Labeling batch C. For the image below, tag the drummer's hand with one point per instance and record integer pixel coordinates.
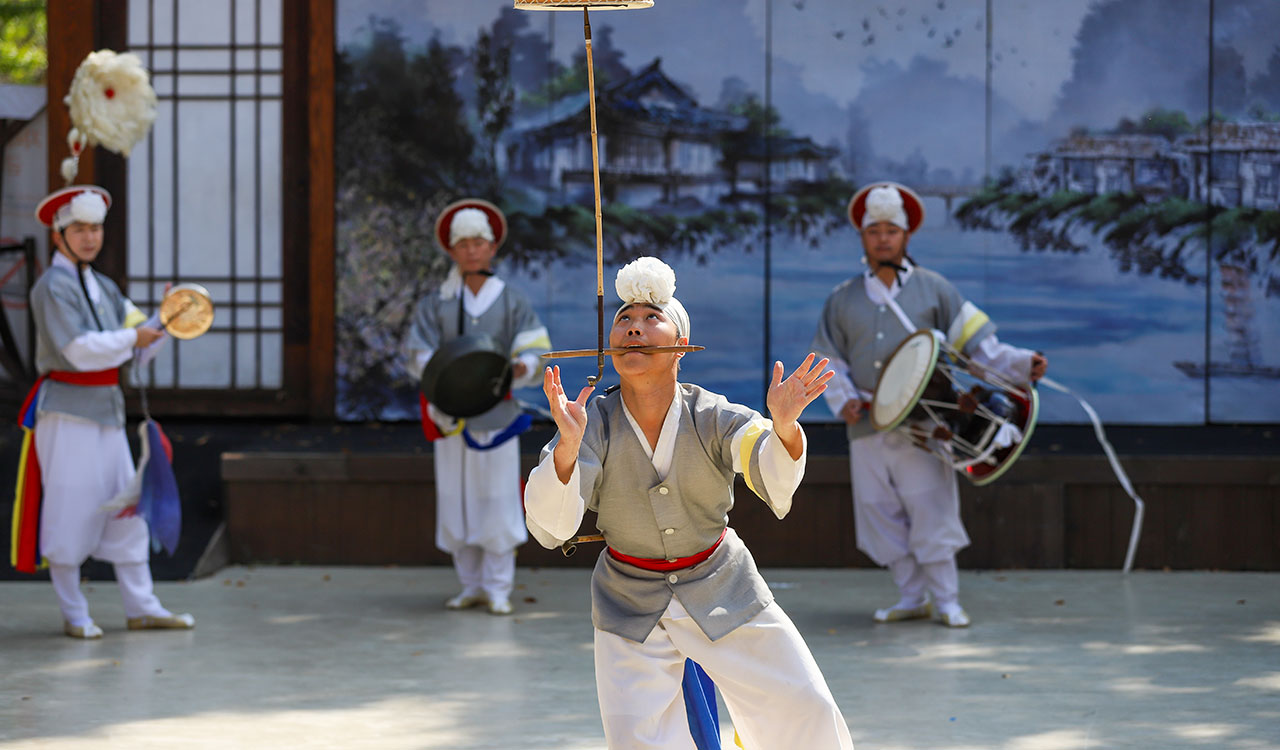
(518, 369)
(788, 398)
(571, 420)
(147, 336)
(851, 412)
(1039, 366)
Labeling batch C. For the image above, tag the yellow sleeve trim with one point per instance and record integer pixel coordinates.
(748, 447)
(134, 318)
(542, 342)
(971, 326)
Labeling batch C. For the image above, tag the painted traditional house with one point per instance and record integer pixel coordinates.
(790, 161)
(657, 146)
(1235, 164)
(1126, 163)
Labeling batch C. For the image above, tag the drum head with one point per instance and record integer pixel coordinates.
(1028, 411)
(467, 376)
(904, 379)
(186, 311)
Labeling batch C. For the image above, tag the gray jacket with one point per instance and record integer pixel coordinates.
(61, 313)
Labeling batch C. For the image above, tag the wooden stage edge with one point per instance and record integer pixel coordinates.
(1202, 513)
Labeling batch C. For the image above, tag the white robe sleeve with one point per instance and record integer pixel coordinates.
(762, 459)
(100, 350)
(840, 388)
(553, 511)
(1011, 361)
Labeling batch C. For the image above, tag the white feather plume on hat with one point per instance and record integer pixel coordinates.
(111, 104)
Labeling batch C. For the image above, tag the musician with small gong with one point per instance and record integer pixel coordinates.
(906, 501)
(471, 340)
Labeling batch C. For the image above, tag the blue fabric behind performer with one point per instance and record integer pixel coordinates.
(700, 705)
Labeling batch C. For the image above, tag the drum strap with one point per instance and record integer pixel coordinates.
(902, 314)
(886, 299)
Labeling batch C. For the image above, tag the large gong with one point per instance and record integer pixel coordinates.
(467, 376)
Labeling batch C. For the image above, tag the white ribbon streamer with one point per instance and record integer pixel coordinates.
(1139, 506)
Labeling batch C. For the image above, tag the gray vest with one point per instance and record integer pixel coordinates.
(680, 516)
(864, 334)
(61, 313)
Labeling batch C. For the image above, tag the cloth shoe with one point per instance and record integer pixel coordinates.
(183, 621)
(901, 611)
(466, 600)
(88, 632)
(500, 606)
(954, 618)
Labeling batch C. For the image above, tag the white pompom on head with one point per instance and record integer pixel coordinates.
(469, 222)
(646, 279)
(87, 208)
(649, 281)
(884, 203)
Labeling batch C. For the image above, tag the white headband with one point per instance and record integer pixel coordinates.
(469, 222)
(649, 281)
(87, 207)
(884, 203)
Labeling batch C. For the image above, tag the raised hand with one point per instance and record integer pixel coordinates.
(788, 398)
(570, 417)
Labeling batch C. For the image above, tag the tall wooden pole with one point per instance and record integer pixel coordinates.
(595, 173)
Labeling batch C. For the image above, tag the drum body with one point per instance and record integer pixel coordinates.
(467, 376)
(971, 418)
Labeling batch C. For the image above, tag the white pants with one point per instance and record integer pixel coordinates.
(135, 589)
(478, 569)
(772, 686)
(82, 466)
(478, 500)
(907, 509)
(905, 501)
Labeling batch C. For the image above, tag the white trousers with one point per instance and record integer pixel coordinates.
(135, 589)
(775, 693)
(82, 466)
(906, 505)
(478, 569)
(478, 500)
(905, 501)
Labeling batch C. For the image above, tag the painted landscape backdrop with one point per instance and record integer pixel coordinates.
(1110, 203)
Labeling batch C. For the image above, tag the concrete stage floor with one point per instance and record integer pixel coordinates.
(367, 658)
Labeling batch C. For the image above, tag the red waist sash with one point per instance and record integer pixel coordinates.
(664, 565)
(70, 377)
